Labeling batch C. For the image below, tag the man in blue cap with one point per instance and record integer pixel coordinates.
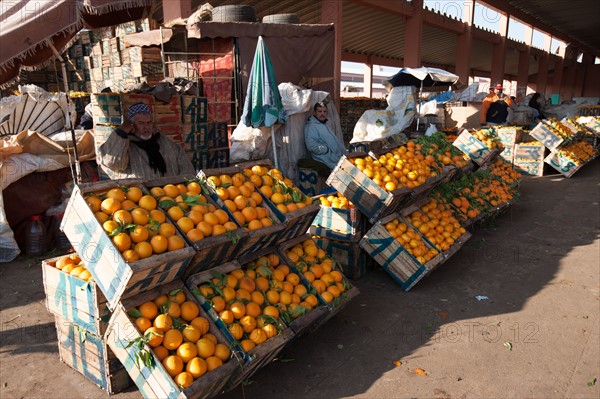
(136, 150)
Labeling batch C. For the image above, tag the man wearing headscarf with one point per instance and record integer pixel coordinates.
(136, 150)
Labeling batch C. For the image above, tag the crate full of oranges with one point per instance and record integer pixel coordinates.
(169, 346)
(213, 232)
(338, 219)
(118, 230)
(249, 207)
(297, 209)
(246, 308)
(401, 250)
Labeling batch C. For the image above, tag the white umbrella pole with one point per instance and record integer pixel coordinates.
(77, 176)
(274, 148)
(419, 108)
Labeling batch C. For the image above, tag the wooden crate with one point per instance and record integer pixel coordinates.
(339, 303)
(364, 193)
(88, 354)
(353, 260)
(195, 109)
(210, 251)
(115, 277)
(529, 159)
(106, 108)
(347, 225)
(404, 268)
(562, 164)
(309, 181)
(213, 158)
(508, 153)
(509, 135)
(546, 136)
(169, 112)
(474, 148)
(261, 354)
(155, 382)
(74, 300)
(297, 222)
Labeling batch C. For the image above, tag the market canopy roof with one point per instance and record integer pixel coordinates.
(29, 28)
(424, 76)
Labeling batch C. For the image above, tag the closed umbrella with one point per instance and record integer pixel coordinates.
(263, 107)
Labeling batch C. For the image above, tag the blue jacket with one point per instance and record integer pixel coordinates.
(322, 144)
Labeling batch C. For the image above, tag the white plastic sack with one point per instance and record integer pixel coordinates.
(520, 115)
(296, 99)
(431, 130)
(429, 108)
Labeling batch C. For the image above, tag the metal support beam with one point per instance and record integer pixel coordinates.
(464, 43)
(499, 51)
(413, 36)
(331, 12)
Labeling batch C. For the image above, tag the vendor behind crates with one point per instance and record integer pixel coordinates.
(137, 150)
(321, 143)
(494, 108)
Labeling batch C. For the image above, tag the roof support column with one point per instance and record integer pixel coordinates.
(498, 54)
(464, 42)
(568, 87)
(175, 9)
(413, 37)
(331, 12)
(558, 72)
(368, 79)
(542, 76)
(588, 63)
(523, 74)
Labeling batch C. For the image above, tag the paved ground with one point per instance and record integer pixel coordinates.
(538, 264)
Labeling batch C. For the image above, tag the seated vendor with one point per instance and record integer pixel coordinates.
(137, 150)
(322, 144)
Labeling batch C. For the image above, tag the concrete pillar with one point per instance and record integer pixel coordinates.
(464, 42)
(413, 37)
(568, 84)
(331, 12)
(174, 9)
(542, 75)
(498, 53)
(368, 80)
(587, 65)
(523, 73)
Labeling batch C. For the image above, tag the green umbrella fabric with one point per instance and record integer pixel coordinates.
(262, 106)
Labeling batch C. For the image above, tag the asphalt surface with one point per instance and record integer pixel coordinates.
(535, 335)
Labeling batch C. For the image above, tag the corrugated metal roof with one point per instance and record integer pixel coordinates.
(369, 31)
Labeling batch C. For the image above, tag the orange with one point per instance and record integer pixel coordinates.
(194, 187)
(128, 205)
(189, 311)
(196, 367)
(327, 296)
(185, 224)
(249, 214)
(202, 324)
(205, 228)
(221, 215)
(140, 216)
(167, 230)
(233, 192)
(236, 331)
(218, 230)
(143, 323)
(230, 205)
(110, 206)
(222, 352)
(157, 192)
(258, 336)
(139, 234)
(213, 362)
(163, 322)
(247, 345)
(159, 244)
(248, 323)
(229, 293)
(195, 235)
(226, 316)
(205, 348)
(191, 333)
(94, 203)
(238, 309)
(312, 300)
(122, 242)
(161, 300)
(240, 202)
(147, 202)
(148, 310)
(172, 339)
(117, 194)
(184, 379)
(239, 217)
(171, 190)
(175, 212)
(175, 243)
(173, 365)
(243, 295)
(161, 353)
(254, 224)
(277, 198)
(187, 351)
(154, 336)
(158, 215)
(218, 303)
(300, 290)
(266, 222)
(247, 284)
(177, 296)
(271, 311)
(222, 193)
(110, 225)
(211, 337)
(142, 250)
(134, 194)
(270, 330)
(261, 283)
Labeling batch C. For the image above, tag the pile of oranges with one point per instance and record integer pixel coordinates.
(411, 240)
(436, 222)
(190, 209)
(138, 229)
(179, 337)
(252, 301)
(488, 137)
(336, 201)
(404, 166)
(579, 152)
(438, 146)
(278, 189)
(73, 265)
(504, 170)
(242, 200)
(318, 269)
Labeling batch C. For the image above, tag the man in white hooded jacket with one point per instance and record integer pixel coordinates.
(321, 142)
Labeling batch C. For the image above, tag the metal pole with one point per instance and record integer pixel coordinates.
(419, 108)
(274, 148)
(77, 176)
